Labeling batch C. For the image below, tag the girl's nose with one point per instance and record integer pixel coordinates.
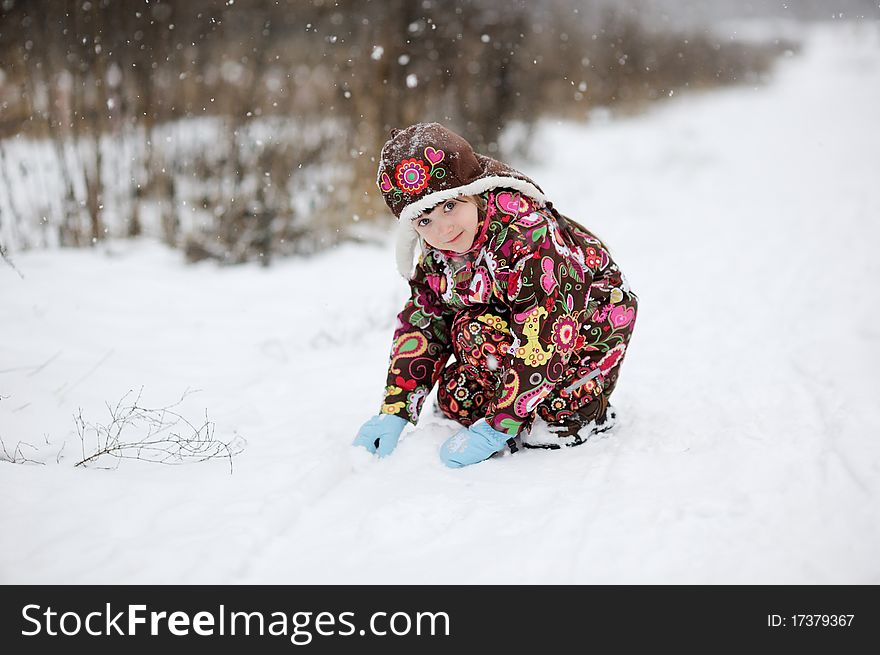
(447, 228)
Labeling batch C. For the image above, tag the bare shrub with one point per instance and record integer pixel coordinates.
(160, 435)
(241, 131)
(17, 456)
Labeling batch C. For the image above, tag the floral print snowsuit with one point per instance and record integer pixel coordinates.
(536, 313)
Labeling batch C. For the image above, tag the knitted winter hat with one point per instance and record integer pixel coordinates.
(425, 164)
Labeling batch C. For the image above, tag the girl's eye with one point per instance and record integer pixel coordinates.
(423, 222)
(449, 206)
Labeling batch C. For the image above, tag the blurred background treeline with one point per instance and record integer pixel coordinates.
(246, 129)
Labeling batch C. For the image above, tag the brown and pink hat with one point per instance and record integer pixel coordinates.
(425, 164)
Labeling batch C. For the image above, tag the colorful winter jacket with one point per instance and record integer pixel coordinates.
(536, 273)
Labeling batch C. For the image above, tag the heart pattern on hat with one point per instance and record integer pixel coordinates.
(435, 156)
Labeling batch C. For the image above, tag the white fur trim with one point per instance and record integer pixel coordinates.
(474, 188)
(407, 238)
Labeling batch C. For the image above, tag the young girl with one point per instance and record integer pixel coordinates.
(531, 305)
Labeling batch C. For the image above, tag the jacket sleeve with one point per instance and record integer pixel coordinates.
(420, 348)
(547, 288)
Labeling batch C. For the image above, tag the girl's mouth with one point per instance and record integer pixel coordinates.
(456, 238)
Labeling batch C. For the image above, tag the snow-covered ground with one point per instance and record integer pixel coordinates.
(747, 450)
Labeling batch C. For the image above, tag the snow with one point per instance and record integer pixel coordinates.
(746, 449)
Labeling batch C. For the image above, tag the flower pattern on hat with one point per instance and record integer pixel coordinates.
(412, 175)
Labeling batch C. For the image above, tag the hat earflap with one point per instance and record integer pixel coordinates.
(405, 248)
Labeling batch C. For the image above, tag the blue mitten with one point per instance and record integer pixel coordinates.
(472, 445)
(380, 434)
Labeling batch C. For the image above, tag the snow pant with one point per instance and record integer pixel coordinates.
(467, 385)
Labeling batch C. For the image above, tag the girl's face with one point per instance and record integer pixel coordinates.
(451, 225)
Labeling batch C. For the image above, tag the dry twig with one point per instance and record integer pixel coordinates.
(5, 255)
(16, 457)
(158, 435)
